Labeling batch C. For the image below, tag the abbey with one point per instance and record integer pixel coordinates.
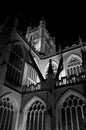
(40, 88)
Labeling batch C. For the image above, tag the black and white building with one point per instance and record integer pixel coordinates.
(29, 100)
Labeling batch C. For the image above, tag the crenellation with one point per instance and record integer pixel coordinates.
(39, 87)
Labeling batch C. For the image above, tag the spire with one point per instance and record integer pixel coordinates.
(80, 41)
(83, 56)
(60, 50)
(50, 82)
(7, 29)
(42, 22)
(60, 66)
(50, 69)
(83, 53)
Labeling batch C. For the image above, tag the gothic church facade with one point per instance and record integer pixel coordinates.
(29, 100)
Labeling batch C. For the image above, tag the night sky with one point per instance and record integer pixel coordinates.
(65, 21)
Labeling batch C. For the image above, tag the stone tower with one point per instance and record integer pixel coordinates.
(29, 100)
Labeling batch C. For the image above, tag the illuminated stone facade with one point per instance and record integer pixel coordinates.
(41, 40)
(27, 102)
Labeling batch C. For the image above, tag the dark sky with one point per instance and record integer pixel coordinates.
(64, 21)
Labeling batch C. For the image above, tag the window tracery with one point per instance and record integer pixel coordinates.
(72, 111)
(31, 77)
(74, 66)
(15, 66)
(36, 116)
(6, 114)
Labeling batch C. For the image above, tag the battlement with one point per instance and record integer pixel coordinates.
(41, 40)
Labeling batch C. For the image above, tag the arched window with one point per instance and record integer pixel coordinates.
(73, 65)
(15, 66)
(72, 111)
(36, 116)
(6, 114)
(31, 77)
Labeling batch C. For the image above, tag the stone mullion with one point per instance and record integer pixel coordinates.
(42, 118)
(38, 121)
(30, 120)
(82, 113)
(6, 126)
(60, 121)
(9, 120)
(77, 119)
(5, 120)
(71, 118)
(84, 109)
(2, 117)
(66, 119)
(34, 121)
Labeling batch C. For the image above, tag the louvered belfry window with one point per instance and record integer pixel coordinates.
(6, 114)
(36, 117)
(72, 113)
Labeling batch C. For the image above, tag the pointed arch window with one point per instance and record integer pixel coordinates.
(36, 117)
(74, 65)
(72, 111)
(6, 114)
(31, 77)
(15, 66)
